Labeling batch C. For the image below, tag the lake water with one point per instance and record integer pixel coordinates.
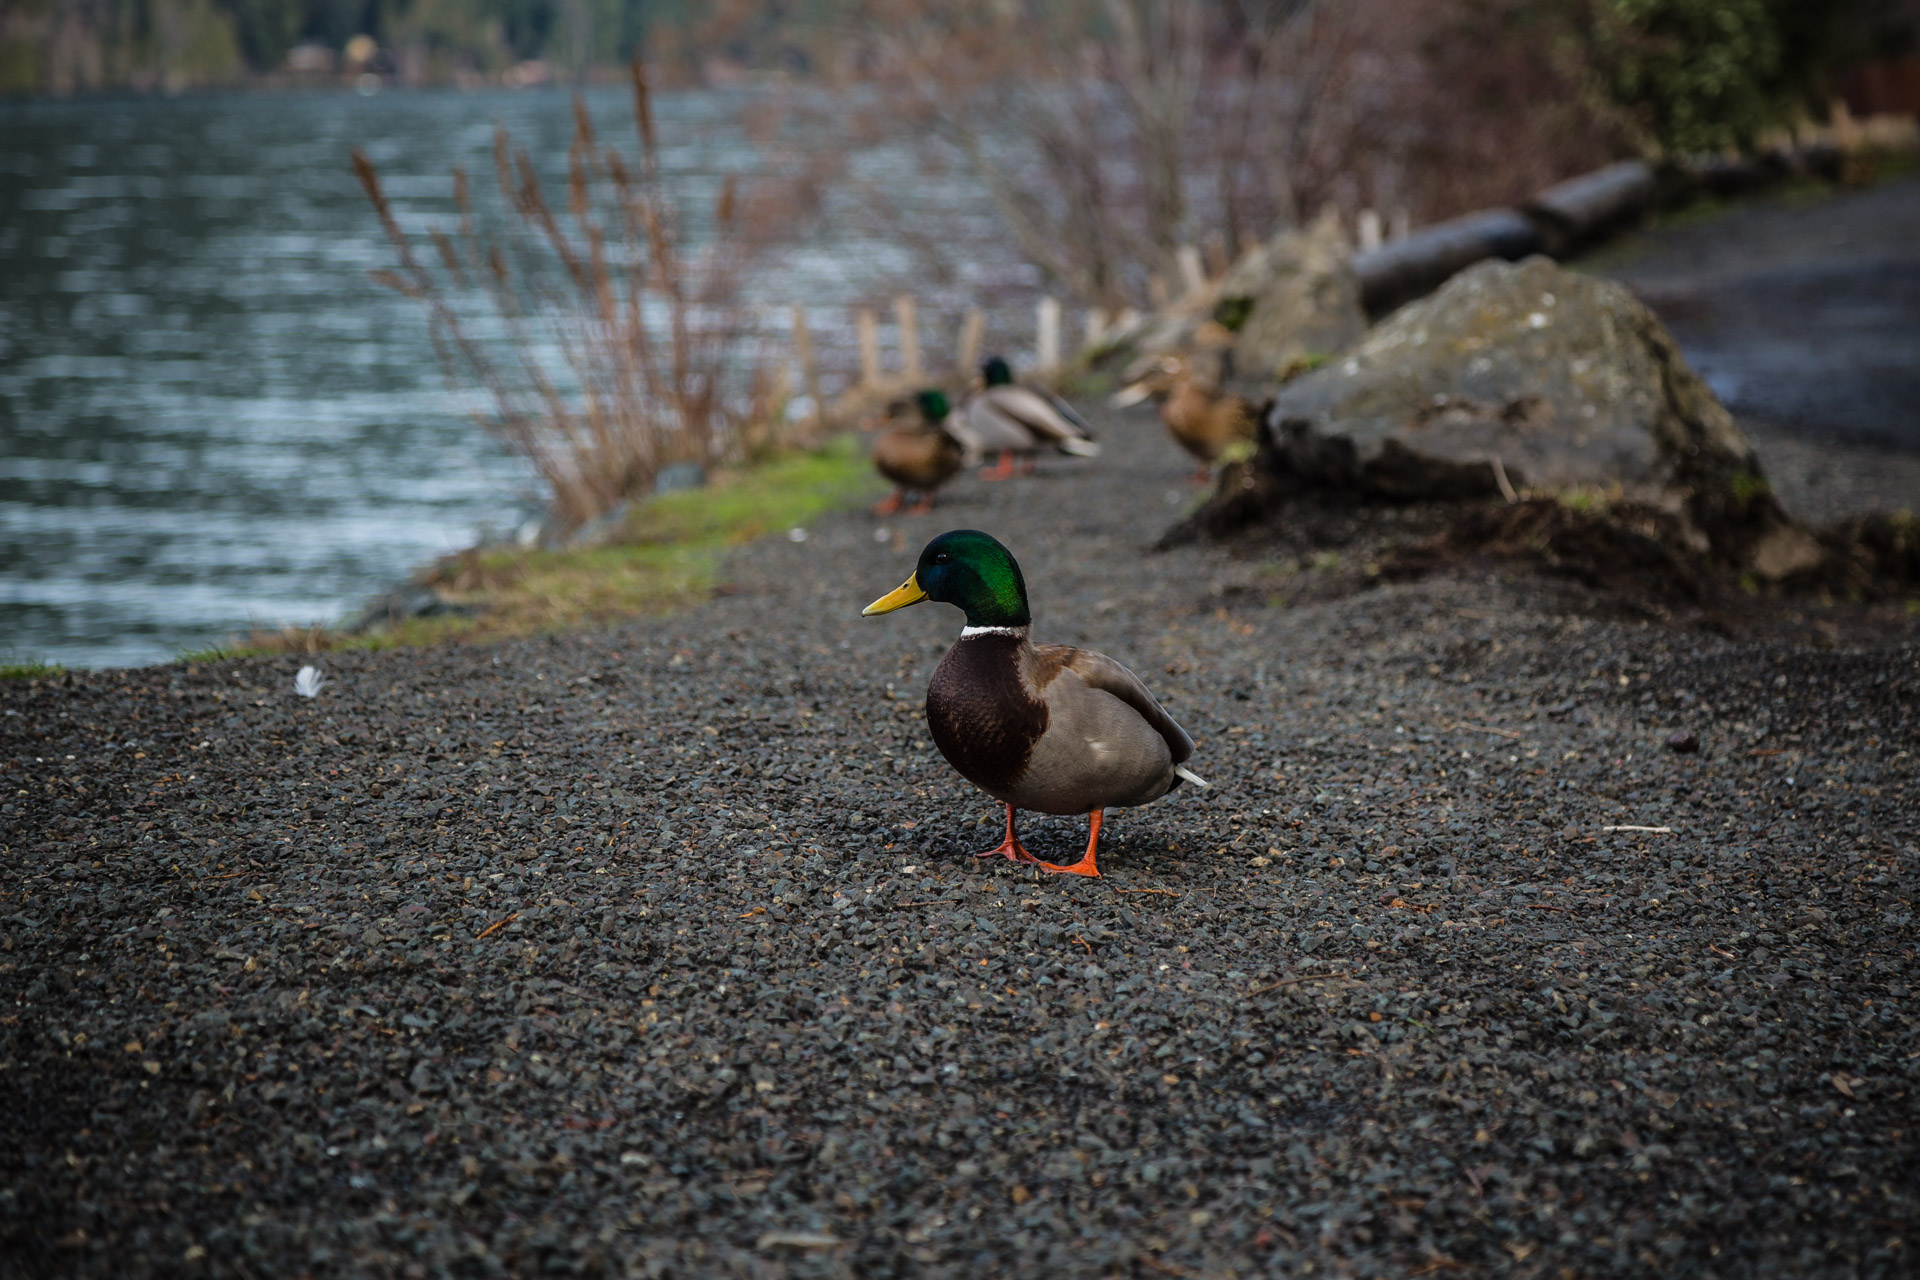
(210, 418)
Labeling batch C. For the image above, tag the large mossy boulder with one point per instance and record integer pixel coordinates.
(1526, 375)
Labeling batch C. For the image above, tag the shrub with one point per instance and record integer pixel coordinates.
(1698, 75)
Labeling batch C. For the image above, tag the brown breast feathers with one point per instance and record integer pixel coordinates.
(982, 717)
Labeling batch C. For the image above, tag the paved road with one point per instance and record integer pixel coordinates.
(1802, 314)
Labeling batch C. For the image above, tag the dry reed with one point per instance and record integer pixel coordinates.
(621, 349)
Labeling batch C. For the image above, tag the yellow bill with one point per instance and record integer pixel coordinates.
(900, 597)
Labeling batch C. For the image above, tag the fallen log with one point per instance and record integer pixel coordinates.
(1414, 265)
(1580, 210)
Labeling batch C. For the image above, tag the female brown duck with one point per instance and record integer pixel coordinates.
(917, 452)
(1202, 420)
(1044, 727)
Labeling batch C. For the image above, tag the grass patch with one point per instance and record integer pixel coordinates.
(1747, 487)
(30, 669)
(667, 555)
(1302, 365)
(216, 653)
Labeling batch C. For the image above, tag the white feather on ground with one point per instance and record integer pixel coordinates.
(308, 682)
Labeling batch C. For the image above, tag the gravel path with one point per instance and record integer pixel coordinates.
(1455, 970)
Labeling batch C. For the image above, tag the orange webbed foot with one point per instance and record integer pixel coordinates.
(1013, 851)
(1003, 470)
(1011, 848)
(1086, 866)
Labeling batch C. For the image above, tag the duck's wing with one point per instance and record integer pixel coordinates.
(1098, 671)
(961, 431)
(1042, 418)
(1065, 410)
(1238, 418)
(990, 428)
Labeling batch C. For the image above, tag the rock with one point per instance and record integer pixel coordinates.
(1298, 296)
(607, 527)
(1873, 556)
(408, 600)
(1174, 330)
(1516, 375)
(1683, 742)
(422, 1080)
(676, 476)
(1290, 298)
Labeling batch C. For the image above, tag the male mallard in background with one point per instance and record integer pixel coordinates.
(916, 452)
(1201, 420)
(1006, 417)
(1044, 727)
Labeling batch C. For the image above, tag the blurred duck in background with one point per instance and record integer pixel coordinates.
(1202, 419)
(1018, 421)
(916, 451)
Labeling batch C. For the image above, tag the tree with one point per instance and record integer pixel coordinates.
(1109, 133)
(1699, 75)
(1692, 75)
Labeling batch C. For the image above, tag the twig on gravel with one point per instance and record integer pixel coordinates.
(1074, 937)
(1438, 1264)
(796, 1240)
(1766, 751)
(1717, 951)
(496, 926)
(1500, 478)
(1659, 831)
(1486, 728)
(1170, 893)
(1164, 1268)
(1287, 982)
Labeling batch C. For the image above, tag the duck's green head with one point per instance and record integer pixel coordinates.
(969, 569)
(933, 405)
(997, 372)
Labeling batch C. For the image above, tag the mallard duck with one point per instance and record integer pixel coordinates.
(1046, 727)
(1013, 420)
(916, 452)
(1201, 420)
